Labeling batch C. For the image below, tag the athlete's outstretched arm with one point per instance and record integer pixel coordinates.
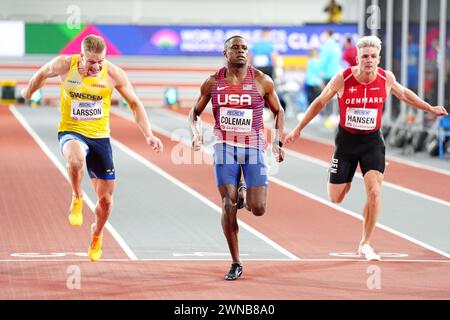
(56, 67)
(333, 87)
(273, 102)
(197, 109)
(410, 98)
(123, 85)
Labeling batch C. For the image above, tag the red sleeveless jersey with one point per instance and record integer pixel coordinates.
(238, 111)
(361, 105)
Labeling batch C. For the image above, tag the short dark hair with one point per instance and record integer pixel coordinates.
(227, 42)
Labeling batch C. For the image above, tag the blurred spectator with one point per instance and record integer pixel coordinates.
(431, 72)
(330, 57)
(447, 76)
(264, 54)
(413, 62)
(350, 52)
(433, 50)
(334, 11)
(313, 81)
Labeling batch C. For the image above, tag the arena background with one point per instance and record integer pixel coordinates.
(164, 239)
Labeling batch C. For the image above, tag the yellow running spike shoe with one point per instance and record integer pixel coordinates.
(76, 212)
(95, 251)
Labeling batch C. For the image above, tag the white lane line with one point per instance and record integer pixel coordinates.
(388, 157)
(397, 187)
(377, 262)
(197, 195)
(324, 164)
(219, 259)
(327, 142)
(312, 196)
(65, 260)
(63, 171)
(316, 260)
(146, 259)
(419, 165)
(357, 216)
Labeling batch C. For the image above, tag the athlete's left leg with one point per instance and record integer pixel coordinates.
(256, 179)
(103, 208)
(372, 165)
(256, 200)
(372, 182)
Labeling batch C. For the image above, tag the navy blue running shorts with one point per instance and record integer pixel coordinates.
(99, 160)
(230, 161)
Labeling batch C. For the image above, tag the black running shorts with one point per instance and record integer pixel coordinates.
(366, 149)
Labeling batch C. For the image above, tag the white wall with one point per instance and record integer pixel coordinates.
(261, 12)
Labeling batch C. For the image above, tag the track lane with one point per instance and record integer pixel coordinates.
(120, 279)
(420, 219)
(402, 174)
(150, 223)
(298, 223)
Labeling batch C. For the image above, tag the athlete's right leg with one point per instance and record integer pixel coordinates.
(337, 191)
(74, 150)
(75, 154)
(341, 171)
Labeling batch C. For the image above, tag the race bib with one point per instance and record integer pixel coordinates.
(86, 110)
(361, 118)
(237, 120)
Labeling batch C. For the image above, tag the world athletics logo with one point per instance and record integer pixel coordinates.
(165, 39)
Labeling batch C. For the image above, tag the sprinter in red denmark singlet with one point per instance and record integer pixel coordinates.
(361, 91)
(361, 105)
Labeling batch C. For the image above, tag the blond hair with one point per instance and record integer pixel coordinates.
(93, 43)
(369, 41)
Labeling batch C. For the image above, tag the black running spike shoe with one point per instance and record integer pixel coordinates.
(235, 271)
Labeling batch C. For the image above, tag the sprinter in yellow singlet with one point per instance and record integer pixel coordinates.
(87, 82)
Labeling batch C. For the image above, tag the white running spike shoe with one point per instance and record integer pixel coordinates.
(368, 252)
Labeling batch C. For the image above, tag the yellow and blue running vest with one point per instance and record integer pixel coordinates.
(85, 103)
